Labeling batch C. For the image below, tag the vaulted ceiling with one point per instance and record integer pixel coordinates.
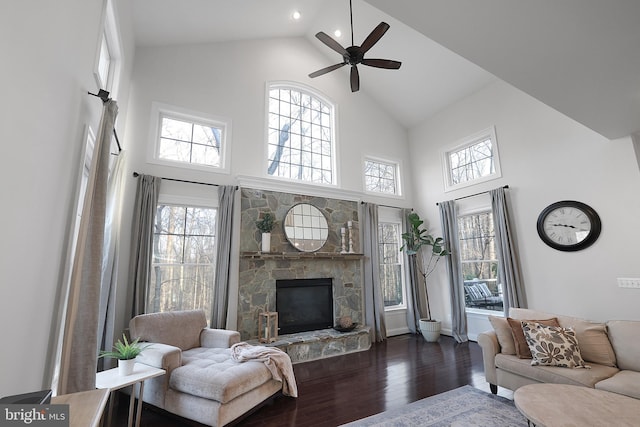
(581, 57)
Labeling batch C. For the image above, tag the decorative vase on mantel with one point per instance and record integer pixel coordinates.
(430, 329)
(266, 242)
(265, 224)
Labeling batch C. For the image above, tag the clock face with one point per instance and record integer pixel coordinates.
(568, 225)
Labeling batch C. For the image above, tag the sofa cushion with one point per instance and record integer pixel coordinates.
(552, 346)
(624, 382)
(177, 328)
(211, 373)
(503, 333)
(522, 348)
(624, 339)
(554, 374)
(592, 337)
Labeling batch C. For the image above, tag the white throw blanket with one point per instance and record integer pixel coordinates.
(277, 361)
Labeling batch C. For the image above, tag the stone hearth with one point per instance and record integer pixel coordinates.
(307, 346)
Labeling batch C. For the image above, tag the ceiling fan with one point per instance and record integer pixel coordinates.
(354, 55)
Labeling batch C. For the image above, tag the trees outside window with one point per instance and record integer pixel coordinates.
(389, 242)
(300, 136)
(479, 261)
(183, 266)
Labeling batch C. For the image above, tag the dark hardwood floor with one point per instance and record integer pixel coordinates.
(341, 389)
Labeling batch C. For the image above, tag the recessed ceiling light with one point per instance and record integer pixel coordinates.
(337, 33)
(296, 15)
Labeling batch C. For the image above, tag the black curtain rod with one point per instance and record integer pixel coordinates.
(386, 206)
(472, 195)
(136, 174)
(104, 96)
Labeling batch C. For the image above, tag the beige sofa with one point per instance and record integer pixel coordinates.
(611, 350)
(203, 382)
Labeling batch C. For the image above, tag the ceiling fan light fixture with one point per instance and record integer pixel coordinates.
(354, 55)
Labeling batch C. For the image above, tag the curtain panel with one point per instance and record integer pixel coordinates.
(509, 272)
(77, 370)
(141, 255)
(226, 202)
(449, 220)
(374, 302)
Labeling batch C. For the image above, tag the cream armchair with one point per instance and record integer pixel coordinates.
(203, 382)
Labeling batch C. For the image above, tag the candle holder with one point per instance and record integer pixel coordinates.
(350, 225)
(344, 240)
(268, 326)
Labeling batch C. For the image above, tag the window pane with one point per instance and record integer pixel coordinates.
(479, 262)
(188, 142)
(390, 264)
(182, 269)
(299, 126)
(380, 177)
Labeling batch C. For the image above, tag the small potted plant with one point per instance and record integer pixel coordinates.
(265, 224)
(417, 241)
(126, 353)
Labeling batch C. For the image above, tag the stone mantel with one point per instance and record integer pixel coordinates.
(302, 255)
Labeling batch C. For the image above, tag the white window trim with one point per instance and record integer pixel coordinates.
(466, 142)
(160, 110)
(393, 215)
(399, 170)
(334, 134)
(111, 34)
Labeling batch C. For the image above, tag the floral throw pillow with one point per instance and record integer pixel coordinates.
(552, 345)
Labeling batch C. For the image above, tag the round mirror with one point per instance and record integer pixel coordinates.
(306, 227)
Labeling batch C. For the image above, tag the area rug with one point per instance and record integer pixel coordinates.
(463, 407)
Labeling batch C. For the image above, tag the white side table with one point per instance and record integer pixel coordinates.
(113, 381)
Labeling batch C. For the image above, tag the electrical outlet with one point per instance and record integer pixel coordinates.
(625, 282)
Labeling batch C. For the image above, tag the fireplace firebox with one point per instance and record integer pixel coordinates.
(304, 304)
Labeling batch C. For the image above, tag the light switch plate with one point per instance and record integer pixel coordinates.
(626, 282)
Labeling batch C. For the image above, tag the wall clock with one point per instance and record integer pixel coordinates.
(569, 225)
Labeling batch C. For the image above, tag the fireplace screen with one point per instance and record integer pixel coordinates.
(304, 304)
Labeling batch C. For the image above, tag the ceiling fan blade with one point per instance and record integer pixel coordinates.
(327, 69)
(374, 37)
(382, 63)
(324, 38)
(355, 79)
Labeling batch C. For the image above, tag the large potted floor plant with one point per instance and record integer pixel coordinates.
(427, 251)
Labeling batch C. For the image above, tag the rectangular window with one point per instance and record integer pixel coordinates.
(389, 243)
(104, 63)
(381, 177)
(183, 265)
(188, 142)
(479, 261)
(188, 139)
(473, 161)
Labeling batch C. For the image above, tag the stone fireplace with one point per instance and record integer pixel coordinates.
(260, 271)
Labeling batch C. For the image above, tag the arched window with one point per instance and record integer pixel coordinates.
(301, 143)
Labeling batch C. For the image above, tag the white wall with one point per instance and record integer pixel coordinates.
(48, 58)
(545, 157)
(229, 80)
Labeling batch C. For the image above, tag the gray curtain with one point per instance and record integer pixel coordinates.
(106, 314)
(142, 240)
(374, 302)
(226, 199)
(449, 220)
(416, 293)
(509, 273)
(77, 370)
